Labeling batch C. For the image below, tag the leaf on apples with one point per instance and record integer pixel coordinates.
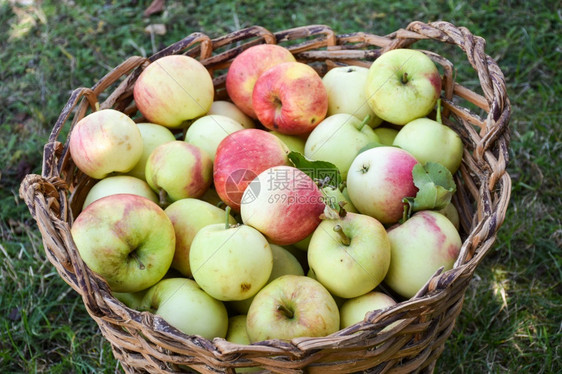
(329, 213)
(324, 173)
(436, 187)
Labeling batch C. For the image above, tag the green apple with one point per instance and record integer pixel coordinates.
(346, 93)
(402, 85)
(179, 170)
(119, 184)
(230, 263)
(451, 212)
(420, 246)
(237, 334)
(428, 140)
(188, 217)
(226, 108)
(283, 263)
(173, 90)
(386, 135)
(132, 299)
(127, 239)
(295, 143)
(354, 310)
(292, 306)
(351, 255)
(303, 244)
(208, 131)
(338, 139)
(184, 305)
(152, 136)
(105, 142)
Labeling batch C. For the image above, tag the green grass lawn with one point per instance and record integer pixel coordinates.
(511, 321)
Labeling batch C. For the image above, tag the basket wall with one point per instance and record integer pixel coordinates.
(145, 343)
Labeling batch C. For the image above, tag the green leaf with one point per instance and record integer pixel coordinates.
(324, 173)
(435, 188)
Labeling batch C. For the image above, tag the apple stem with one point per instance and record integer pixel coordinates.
(286, 311)
(405, 78)
(365, 121)
(227, 218)
(439, 111)
(137, 259)
(344, 238)
(163, 197)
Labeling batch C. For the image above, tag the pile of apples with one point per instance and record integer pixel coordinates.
(290, 210)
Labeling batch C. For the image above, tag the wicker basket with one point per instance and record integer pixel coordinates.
(143, 342)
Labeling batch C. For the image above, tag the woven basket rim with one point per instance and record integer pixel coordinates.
(53, 201)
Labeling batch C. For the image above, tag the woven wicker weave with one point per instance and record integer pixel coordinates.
(144, 342)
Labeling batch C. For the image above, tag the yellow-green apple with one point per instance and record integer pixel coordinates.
(245, 70)
(350, 255)
(354, 310)
(188, 217)
(127, 239)
(338, 139)
(119, 184)
(428, 140)
(240, 157)
(287, 207)
(284, 262)
(152, 136)
(228, 109)
(290, 98)
(208, 131)
(212, 197)
(379, 179)
(292, 306)
(131, 299)
(402, 85)
(184, 305)
(237, 334)
(335, 198)
(303, 244)
(105, 142)
(178, 170)
(386, 135)
(346, 93)
(419, 247)
(173, 90)
(230, 262)
(294, 142)
(451, 212)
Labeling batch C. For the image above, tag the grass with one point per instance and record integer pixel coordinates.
(511, 318)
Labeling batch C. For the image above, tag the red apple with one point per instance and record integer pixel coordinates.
(247, 67)
(240, 157)
(290, 98)
(284, 204)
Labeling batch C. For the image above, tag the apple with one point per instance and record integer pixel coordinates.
(287, 207)
(354, 310)
(420, 246)
(240, 157)
(127, 239)
(292, 306)
(290, 98)
(230, 262)
(428, 140)
(451, 212)
(245, 70)
(228, 109)
(208, 131)
(350, 255)
(173, 90)
(284, 262)
(178, 170)
(131, 299)
(212, 197)
(379, 179)
(105, 142)
(386, 135)
(188, 217)
(346, 93)
(402, 85)
(237, 334)
(119, 184)
(338, 139)
(294, 142)
(336, 198)
(303, 244)
(152, 136)
(184, 305)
